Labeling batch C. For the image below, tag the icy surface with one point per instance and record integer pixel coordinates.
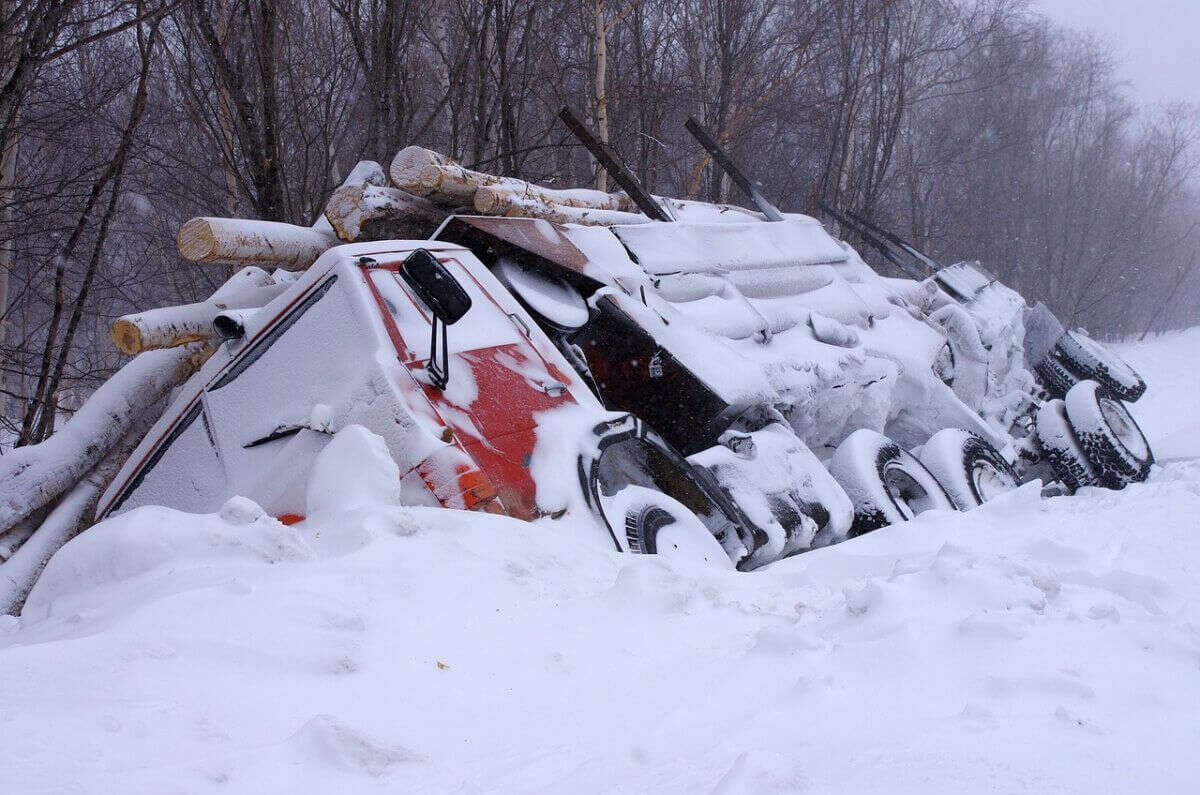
(1030, 645)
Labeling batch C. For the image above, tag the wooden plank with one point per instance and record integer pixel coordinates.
(722, 158)
(616, 169)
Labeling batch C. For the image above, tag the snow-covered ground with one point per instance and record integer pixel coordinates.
(1169, 412)
(1029, 646)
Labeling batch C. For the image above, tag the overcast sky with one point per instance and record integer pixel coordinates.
(1158, 40)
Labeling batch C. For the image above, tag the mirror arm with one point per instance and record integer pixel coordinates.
(439, 371)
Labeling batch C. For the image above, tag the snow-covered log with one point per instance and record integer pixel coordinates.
(241, 241)
(18, 573)
(365, 172)
(514, 205)
(408, 164)
(171, 326)
(32, 477)
(70, 516)
(426, 173)
(496, 199)
(12, 540)
(452, 184)
(371, 212)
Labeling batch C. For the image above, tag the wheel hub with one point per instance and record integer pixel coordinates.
(1121, 424)
(989, 481)
(909, 496)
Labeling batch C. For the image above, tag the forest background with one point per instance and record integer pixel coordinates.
(979, 129)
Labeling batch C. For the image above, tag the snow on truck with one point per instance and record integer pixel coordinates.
(674, 376)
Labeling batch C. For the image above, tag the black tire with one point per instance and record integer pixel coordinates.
(655, 525)
(641, 528)
(624, 452)
(968, 467)
(1061, 449)
(1054, 376)
(1114, 445)
(886, 484)
(1089, 360)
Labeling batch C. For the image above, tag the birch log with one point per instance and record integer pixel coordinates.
(172, 326)
(240, 241)
(515, 206)
(426, 173)
(495, 199)
(18, 573)
(405, 169)
(34, 476)
(371, 212)
(73, 514)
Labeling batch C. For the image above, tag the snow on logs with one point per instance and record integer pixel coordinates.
(425, 186)
(494, 199)
(428, 174)
(72, 513)
(501, 201)
(377, 212)
(171, 326)
(33, 477)
(240, 241)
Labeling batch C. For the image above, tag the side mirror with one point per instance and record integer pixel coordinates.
(436, 286)
(446, 299)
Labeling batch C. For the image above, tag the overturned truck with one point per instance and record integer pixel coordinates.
(655, 374)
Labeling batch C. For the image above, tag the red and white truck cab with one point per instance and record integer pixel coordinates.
(420, 343)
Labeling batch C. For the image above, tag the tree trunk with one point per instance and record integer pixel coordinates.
(601, 37)
(8, 184)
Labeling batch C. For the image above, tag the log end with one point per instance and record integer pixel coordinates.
(490, 201)
(127, 337)
(406, 166)
(196, 241)
(342, 211)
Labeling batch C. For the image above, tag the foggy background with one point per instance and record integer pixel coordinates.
(1155, 40)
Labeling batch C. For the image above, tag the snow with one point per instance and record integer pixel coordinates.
(550, 297)
(1029, 645)
(37, 474)
(353, 471)
(707, 247)
(1167, 413)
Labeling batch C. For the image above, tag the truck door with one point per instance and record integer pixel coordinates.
(498, 381)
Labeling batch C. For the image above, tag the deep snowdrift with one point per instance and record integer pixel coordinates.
(1027, 646)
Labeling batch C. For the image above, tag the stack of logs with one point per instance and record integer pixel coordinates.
(425, 187)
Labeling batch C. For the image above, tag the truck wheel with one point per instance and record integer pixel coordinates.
(1114, 444)
(969, 469)
(655, 524)
(884, 482)
(1092, 361)
(1061, 449)
(625, 466)
(1054, 376)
